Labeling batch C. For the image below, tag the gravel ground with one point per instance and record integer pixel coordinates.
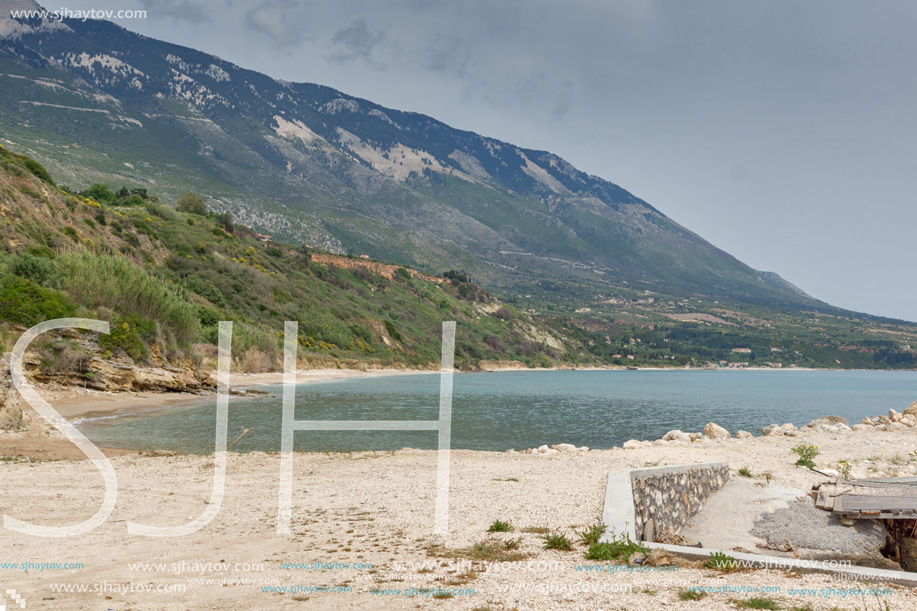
(377, 508)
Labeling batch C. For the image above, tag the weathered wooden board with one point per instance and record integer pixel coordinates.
(825, 498)
(871, 505)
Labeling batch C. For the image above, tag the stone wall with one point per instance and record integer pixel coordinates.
(665, 498)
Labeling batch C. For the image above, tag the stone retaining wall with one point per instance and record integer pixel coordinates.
(665, 498)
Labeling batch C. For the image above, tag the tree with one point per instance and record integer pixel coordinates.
(225, 220)
(189, 202)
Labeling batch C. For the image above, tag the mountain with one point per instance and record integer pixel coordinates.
(309, 164)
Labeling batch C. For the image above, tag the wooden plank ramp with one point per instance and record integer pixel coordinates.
(868, 499)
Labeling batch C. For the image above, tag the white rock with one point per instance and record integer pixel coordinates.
(631, 444)
(676, 435)
(895, 426)
(744, 435)
(788, 429)
(829, 420)
(909, 420)
(861, 427)
(772, 430)
(543, 449)
(715, 431)
(564, 447)
(584, 449)
(894, 416)
(695, 436)
(911, 409)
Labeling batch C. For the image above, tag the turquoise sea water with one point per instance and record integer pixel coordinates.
(524, 409)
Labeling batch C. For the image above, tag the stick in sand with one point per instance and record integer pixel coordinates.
(244, 433)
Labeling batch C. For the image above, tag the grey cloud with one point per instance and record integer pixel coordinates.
(275, 18)
(177, 10)
(356, 42)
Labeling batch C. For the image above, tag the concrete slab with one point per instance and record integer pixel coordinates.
(618, 514)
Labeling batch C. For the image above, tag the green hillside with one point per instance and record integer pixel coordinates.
(164, 278)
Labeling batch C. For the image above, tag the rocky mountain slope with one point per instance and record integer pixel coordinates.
(312, 165)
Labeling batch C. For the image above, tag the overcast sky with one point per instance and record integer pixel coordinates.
(783, 132)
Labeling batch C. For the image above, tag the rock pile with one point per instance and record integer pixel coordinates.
(895, 421)
(557, 448)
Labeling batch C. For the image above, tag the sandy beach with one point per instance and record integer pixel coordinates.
(363, 529)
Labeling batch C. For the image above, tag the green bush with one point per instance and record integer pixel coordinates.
(39, 269)
(119, 285)
(37, 169)
(499, 526)
(129, 332)
(392, 331)
(807, 454)
(361, 332)
(208, 316)
(205, 289)
(24, 302)
(189, 202)
(99, 193)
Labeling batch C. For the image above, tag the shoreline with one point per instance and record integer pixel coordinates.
(75, 403)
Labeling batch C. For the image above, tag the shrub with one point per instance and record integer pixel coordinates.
(208, 316)
(155, 208)
(39, 269)
(255, 361)
(225, 220)
(806, 455)
(127, 333)
(503, 314)
(499, 526)
(117, 284)
(593, 533)
(361, 332)
(191, 203)
(205, 289)
(392, 331)
(402, 274)
(758, 602)
(558, 541)
(130, 200)
(687, 595)
(37, 169)
(24, 302)
(100, 193)
(619, 548)
(722, 562)
(70, 232)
